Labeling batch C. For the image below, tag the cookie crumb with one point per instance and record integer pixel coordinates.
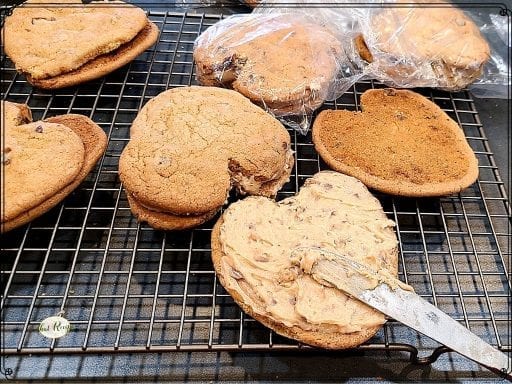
(400, 115)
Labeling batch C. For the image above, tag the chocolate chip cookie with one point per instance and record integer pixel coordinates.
(256, 243)
(74, 42)
(190, 146)
(283, 63)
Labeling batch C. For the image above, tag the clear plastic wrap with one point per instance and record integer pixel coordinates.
(290, 58)
(287, 63)
(417, 44)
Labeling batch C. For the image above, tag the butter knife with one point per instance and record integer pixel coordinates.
(382, 291)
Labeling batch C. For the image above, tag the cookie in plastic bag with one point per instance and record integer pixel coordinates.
(422, 47)
(282, 62)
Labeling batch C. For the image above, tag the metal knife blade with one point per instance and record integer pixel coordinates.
(380, 290)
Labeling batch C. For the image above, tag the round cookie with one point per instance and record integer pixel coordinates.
(281, 62)
(424, 46)
(94, 140)
(38, 160)
(401, 143)
(252, 245)
(190, 146)
(49, 42)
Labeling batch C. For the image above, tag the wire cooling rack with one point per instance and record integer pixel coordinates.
(128, 288)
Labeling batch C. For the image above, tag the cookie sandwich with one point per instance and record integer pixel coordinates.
(43, 161)
(71, 42)
(190, 146)
(424, 47)
(282, 62)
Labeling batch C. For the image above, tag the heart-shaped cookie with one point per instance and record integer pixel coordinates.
(59, 46)
(38, 160)
(401, 144)
(256, 239)
(190, 146)
(35, 184)
(283, 62)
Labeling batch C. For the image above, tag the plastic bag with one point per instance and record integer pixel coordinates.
(410, 44)
(287, 63)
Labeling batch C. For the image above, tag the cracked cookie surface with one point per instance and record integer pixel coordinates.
(38, 160)
(93, 140)
(48, 42)
(190, 146)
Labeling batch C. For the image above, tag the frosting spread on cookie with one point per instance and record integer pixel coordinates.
(332, 211)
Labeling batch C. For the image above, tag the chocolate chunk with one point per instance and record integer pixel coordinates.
(39, 129)
(389, 92)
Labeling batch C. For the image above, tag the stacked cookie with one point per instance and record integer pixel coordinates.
(43, 161)
(423, 47)
(190, 146)
(74, 42)
(282, 62)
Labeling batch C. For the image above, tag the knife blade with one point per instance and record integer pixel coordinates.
(382, 291)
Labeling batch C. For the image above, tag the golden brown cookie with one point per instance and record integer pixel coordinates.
(424, 46)
(75, 42)
(401, 144)
(255, 239)
(190, 146)
(281, 62)
(38, 160)
(93, 141)
(15, 113)
(166, 221)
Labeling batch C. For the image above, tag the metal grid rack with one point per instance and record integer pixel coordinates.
(128, 288)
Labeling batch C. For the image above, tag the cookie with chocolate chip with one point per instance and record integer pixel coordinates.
(43, 161)
(191, 146)
(283, 63)
(424, 47)
(74, 42)
(260, 252)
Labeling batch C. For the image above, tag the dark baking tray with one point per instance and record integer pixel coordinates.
(127, 288)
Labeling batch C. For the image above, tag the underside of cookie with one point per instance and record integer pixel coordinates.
(191, 146)
(253, 245)
(94, 142)
(166, 221)
(281, 62)
(424, 47)
(401, 144)
(64, 45)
